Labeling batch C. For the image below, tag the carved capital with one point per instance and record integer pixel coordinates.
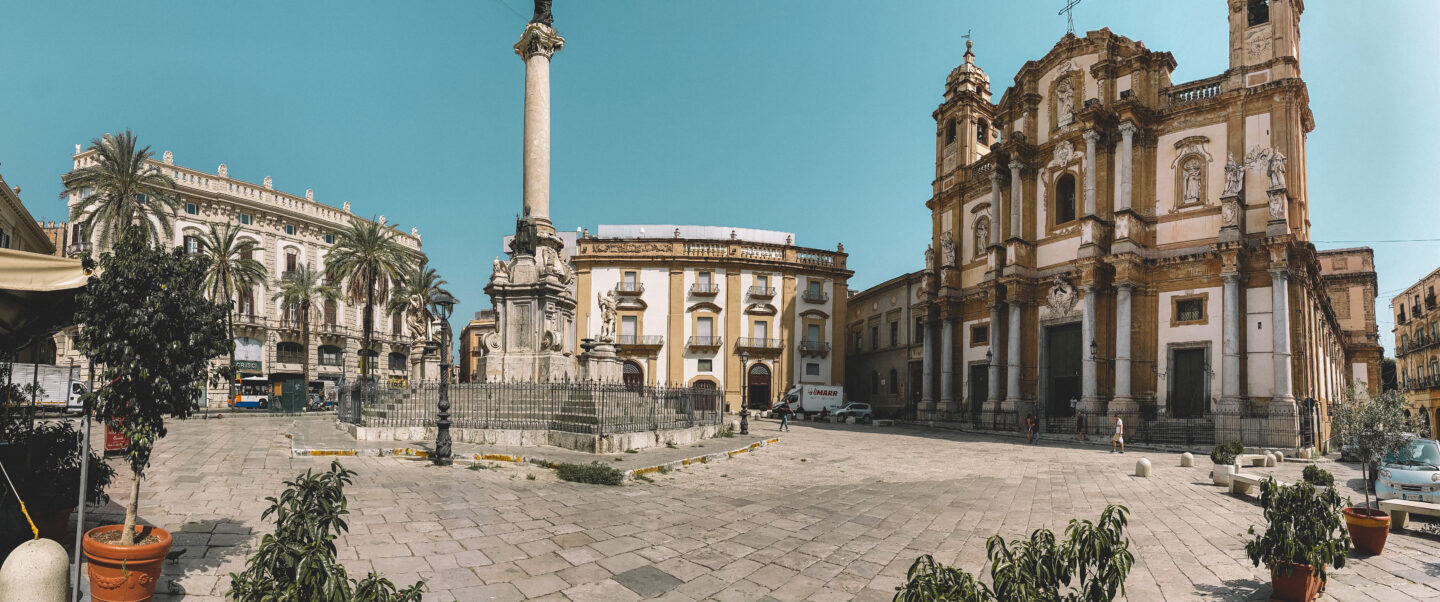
(538, 38)
(1128, 129)
(995, 177)
(1016, 166)
(1091, 137)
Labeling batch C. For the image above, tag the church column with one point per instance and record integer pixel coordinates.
(927, 386)
(995, 207)
(1280, 308)
(1089, 396)
(1091, 139)
(1012, 372)
(992, 398)
(536, 46)
(1123, 401)
(1230, 360)
(947, 364)
(1127, 150)
(1016, 188)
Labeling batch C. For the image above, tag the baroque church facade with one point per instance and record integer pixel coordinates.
(1103, 235)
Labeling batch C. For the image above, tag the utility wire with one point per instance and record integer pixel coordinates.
(1378, 241)
(510, 8)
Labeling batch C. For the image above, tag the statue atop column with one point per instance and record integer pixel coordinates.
(542, 13)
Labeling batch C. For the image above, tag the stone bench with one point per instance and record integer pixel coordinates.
(1242, 482)
(1255, 460)
(883, 423)
(1400, 511)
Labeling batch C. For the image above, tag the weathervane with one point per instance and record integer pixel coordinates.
(1069, 15)
(967, 34)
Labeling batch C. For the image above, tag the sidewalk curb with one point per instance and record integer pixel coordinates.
(705, 459)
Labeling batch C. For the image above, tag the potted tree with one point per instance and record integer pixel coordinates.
(148, 323)
(1224, 456)
(48, 476)
(1375, 427)
(1302, 537)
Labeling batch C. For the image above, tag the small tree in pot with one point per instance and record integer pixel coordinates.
(148, 323)
(44, 463)
(1375, 426)
(1303, 536)
(1224, 456)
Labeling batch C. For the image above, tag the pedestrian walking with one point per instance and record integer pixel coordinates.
(784, 412)
(1080, 425)
(1119, 438)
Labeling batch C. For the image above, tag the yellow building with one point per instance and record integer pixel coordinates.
(1417, 348)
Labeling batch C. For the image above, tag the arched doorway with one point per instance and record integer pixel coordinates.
(634, 375)
(707, 395)
(758, 395)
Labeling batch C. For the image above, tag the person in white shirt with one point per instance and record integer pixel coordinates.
(1119, 438)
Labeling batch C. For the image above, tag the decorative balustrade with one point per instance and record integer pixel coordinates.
(704, 342)
(629, 288)
(704, 290)
(639, 340)
(759, 344)
(762, 292)
(1205, 89)
(820, 348)
(815, 296)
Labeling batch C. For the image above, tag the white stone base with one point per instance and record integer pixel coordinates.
(600, 444)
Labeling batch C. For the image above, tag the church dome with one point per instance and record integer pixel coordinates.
(968, 77)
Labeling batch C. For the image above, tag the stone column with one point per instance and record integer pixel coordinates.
(1127, 150)
(992, 397)
(995, 207)
(1284, 420)
(1089, 396)
(536, 46)
(947, 365)
(1091, 139)
(1016, 190)
(1230, 359)
(1012, 371)
(1123, 401)
(927, 387)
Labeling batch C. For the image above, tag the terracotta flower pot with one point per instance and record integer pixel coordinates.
(52, 522)
(1301, 585)
(1368, 529)
(125, 573)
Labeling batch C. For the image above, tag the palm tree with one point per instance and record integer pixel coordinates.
(230, 267)
(124, 189)
(414, 298)
(368, 258)
(304, 289)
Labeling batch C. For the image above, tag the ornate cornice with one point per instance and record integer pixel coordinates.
(538, 38)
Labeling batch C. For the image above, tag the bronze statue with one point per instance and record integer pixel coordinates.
(542, 13)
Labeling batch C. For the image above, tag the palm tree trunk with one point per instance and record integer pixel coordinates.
(368, 330)
(229, 328)
(305, 348)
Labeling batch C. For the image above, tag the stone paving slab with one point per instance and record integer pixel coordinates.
(832, 512)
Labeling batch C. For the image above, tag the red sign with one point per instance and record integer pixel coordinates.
(115, 441)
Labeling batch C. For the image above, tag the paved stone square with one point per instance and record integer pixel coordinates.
(831, 512)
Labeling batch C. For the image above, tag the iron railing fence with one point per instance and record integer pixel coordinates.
(1143, 428)
(578, 407)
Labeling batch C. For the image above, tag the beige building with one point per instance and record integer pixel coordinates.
(18, 230)
(472, 344)
(885, 346)
(1417, 348)
(690, 299)
(291, 230)
(1352, 285)
(1136, 244)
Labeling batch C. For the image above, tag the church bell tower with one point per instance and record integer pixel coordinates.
(1265, 39)
(965, 121)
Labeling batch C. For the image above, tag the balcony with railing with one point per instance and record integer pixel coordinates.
(810, 348)
(629, 288)
(704, 343)
(815, 296)
(1196, 91)
(640, 341)
(289, 324)
(762, 292)
(330, 329)
(246, 319)
(702, 289)
(76, 249)
(757, 344)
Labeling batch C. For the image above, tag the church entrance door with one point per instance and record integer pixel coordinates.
(1187, 387)
(979, 387)
(1062, 350)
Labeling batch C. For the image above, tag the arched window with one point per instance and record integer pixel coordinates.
(1259, 12)
(633, 374)
(982, 132)
(951, 133)
(1065, 199)
(397, 361)
(874, 383)
(894, 382)
(330, 355)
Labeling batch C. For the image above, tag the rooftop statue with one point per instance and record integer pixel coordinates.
(542, 13)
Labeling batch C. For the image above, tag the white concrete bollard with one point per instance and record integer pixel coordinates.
(1305, 454)
(1269, 460)
(1142, 468)
(37, 571)
(850, 420)
(1187, 459)
(1279, 457)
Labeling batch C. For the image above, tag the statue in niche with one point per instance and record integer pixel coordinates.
(1234, 176)
(982, 234)
(500, 272)
(1276, 169)
(929, 258)
(607, 315)
(542, 13)
(1191, 175)
(1064, 103)
(947, 248)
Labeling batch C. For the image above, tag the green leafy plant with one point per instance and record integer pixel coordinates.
(1375, 425)
(1226, 453)
(148, 324)
(298, 561)
(1094, 556)
(1304, 526)
(593, 473)
(726, 432)
(1318, 477)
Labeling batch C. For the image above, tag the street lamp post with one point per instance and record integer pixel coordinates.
(744, 393)
(444, 303)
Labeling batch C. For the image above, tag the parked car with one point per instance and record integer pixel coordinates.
(1411, 475)
(861, 412)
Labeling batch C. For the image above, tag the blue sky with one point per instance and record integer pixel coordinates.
(806, 115)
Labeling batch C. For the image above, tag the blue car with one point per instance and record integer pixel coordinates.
(1411, 475)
